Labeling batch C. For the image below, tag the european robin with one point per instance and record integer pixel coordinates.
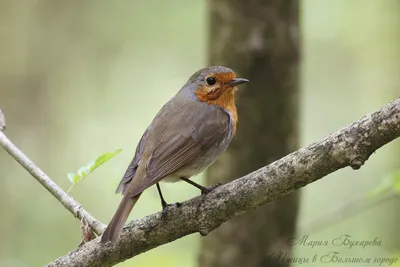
(187, 135)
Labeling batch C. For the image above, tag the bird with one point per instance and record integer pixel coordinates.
(185, 137)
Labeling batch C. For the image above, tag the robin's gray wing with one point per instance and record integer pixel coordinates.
(130, 172)
(180, 148)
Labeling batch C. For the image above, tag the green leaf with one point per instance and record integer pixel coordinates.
(104, 158)
(85, 170)
(73, 177)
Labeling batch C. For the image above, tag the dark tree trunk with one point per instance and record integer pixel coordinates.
(259, 40)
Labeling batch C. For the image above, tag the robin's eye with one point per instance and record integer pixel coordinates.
(211, 80)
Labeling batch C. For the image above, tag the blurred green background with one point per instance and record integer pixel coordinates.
(78, 79)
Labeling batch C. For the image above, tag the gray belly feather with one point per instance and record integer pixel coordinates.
(206, 159)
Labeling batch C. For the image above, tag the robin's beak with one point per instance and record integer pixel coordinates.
(237, 81)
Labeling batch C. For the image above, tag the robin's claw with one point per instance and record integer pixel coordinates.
(165, 206)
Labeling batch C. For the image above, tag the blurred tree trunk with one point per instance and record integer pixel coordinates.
(259, 40)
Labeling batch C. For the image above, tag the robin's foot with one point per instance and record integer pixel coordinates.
(208, 189)
(165, 206)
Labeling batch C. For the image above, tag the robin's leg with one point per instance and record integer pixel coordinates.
(204, 190)
(164, 203)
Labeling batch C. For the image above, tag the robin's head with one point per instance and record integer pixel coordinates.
(215, 85)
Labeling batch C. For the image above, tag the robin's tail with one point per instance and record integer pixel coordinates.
(121, 215)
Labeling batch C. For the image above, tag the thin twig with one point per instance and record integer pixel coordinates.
(2, 121)
(68, 202)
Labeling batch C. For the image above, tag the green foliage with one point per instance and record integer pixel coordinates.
(389, 183)
(85, 170)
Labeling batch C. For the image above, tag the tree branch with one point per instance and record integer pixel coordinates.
(68, 202)
(350, 146)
